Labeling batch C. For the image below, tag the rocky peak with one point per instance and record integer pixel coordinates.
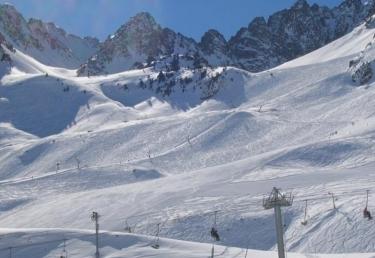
(213, 41)
(46, 42)
(12, 23)
(261, 45)
(352, 8)
(143, 18)
(9, 10)
(140, 34)
(258, 28)
(10, 17)
(138, 42)
(349, 14)
(141, 25)
(257, 22)
(357, 4)
(45, 27)
(300, 5)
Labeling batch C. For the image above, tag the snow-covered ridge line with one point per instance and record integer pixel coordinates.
(261, 45)
(45, 42)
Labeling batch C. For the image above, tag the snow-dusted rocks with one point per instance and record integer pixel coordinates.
(5, 59)
(44, 41)
(294, 32)
(137, 43)
(362, 72)
(264, 44)
(361, 67)
(214, 48)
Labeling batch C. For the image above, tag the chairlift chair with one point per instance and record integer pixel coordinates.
(366, 212)
(215, 234)
(155, 246)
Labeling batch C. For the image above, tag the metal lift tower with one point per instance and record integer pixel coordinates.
(275, 201)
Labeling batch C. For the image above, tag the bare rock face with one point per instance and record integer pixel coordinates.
(5, 59)
(213, 42)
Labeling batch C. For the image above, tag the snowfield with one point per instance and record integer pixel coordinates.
(70, 146)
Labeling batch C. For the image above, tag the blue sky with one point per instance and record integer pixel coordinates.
(192, 18)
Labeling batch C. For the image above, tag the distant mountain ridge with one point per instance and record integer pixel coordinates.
(44, 41)
(293, 32)
(263, 44)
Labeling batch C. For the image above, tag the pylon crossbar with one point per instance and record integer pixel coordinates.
(277, 199)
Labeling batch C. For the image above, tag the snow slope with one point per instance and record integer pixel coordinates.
(50, 243)
(71, 145)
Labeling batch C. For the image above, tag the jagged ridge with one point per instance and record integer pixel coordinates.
(264, 44)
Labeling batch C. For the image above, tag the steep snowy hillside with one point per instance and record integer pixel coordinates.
(171, 144)
(44, 41)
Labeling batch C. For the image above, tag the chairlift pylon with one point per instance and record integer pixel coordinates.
(214, 232)
(64, 253)
(156, 244)
(304, 222)
(128, 227)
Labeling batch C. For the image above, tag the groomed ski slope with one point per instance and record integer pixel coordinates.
(139, 159)
(117, 244)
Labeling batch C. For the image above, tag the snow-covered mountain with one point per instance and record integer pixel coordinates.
(152, 146)
(141, 40)
(44, 41)
(294, 32)
(264, 44)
